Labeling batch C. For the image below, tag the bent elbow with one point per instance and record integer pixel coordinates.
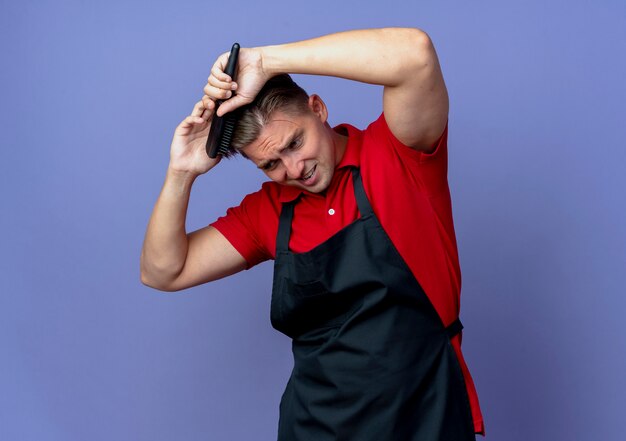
(416, 52)
(146, 280)
(423, 47)
(154, 276)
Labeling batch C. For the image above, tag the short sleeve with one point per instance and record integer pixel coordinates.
(430, 168)
(242, 228)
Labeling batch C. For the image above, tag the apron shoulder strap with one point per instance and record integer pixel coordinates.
(284, 226)
(359, 193)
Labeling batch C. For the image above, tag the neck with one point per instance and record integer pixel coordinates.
(340, 141)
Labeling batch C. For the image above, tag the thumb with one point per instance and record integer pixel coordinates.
(231, 104)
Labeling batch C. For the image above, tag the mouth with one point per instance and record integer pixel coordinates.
(309, 175)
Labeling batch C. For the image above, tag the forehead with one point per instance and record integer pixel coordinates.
(276, 134)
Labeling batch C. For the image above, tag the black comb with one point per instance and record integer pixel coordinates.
(223, 127)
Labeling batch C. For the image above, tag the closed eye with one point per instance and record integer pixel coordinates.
(269, 165)
(295, 144)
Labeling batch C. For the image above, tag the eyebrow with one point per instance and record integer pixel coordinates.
(293, 137)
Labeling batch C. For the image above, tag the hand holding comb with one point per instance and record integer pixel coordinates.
(223, 127)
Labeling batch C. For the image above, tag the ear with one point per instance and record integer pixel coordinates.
(318, 107)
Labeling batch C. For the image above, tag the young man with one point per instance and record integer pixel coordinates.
(359, 223)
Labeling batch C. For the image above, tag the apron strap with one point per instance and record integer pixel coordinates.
(454, 328)
(284, 226)
(359, 193)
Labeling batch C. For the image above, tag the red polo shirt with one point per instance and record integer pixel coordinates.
(409, 193)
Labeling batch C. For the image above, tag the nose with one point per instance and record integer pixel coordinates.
(293, 168)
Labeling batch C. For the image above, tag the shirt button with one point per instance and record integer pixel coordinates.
(331, 211)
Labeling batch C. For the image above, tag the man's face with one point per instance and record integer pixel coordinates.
(296, 150)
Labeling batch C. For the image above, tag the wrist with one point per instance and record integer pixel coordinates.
(271, 63)
(181, 177)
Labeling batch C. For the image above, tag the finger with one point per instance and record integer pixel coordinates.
(231, 104)
(219, 66)
(192, 120)
(207, 111)
(187, 124)
(216, 93)
(208, 102)
(198, 108)
(219, 75)
(226, 85)
(206, 115)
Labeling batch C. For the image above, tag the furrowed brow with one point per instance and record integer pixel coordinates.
(293, 136)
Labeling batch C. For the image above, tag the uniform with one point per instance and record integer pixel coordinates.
(340, 256)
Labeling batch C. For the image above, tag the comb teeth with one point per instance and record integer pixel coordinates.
(227, 135)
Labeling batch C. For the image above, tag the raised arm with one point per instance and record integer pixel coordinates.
(172, 259)
(403, 60)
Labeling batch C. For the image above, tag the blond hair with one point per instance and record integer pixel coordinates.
(279, 93)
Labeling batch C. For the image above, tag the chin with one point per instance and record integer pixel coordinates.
(321, 186)
(316, 189)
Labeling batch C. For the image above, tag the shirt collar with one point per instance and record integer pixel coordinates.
(351, 158)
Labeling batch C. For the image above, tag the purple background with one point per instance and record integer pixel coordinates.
(91, 94)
